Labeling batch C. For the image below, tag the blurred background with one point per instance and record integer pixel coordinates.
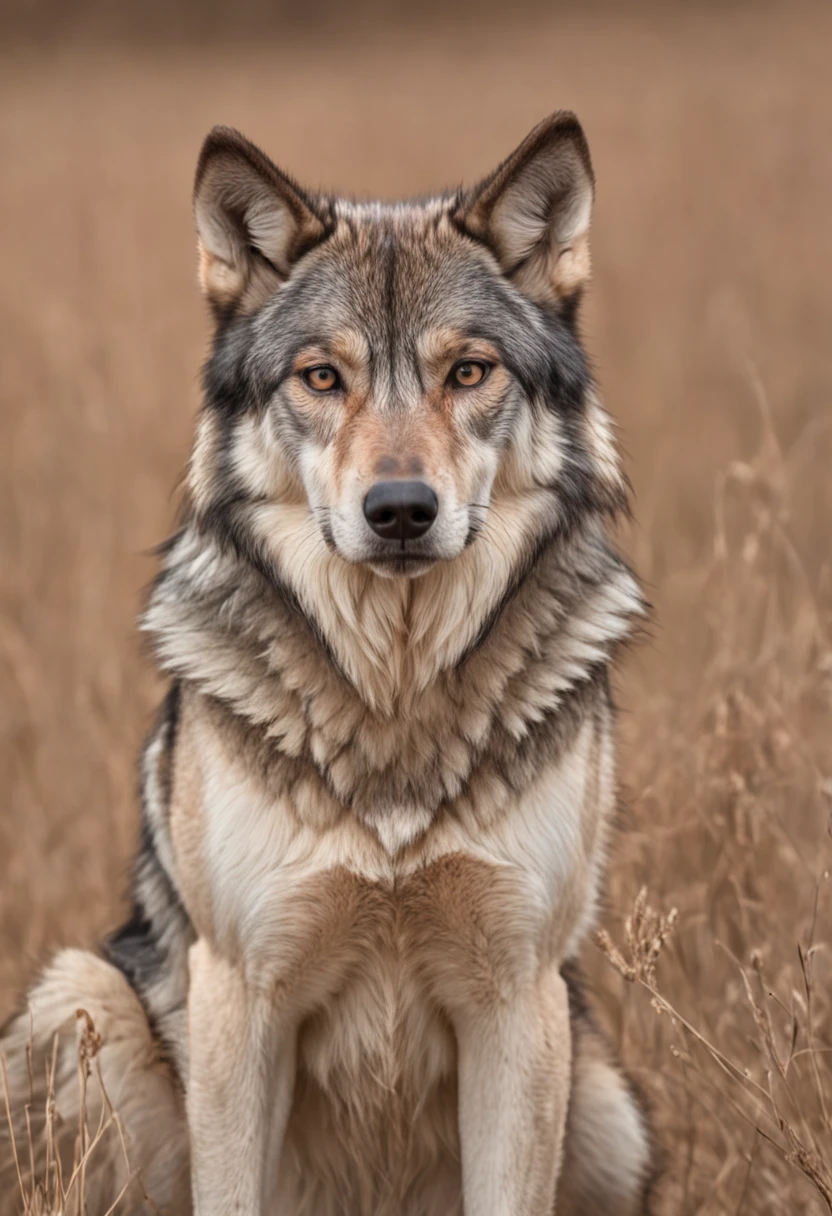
(709, 324)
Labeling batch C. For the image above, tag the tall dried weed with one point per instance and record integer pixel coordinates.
(730, 801)
(47, 1185)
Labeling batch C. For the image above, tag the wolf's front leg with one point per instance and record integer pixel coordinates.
(241, 1075)
(514, 1076)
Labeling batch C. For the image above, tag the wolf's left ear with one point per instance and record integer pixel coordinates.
(252, 222)
(534, 211)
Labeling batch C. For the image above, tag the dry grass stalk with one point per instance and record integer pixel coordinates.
(734, 820)
(776, 1115)
(44, 1188)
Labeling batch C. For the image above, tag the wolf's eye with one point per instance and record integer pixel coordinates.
(321, 379)
(468, 372)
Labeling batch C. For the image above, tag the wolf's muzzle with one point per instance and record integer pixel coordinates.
(401, 510)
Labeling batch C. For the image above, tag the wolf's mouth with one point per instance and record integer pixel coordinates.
(398, 558)
(410, 564)
(401, 559)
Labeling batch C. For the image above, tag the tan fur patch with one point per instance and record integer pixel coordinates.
(472, 931)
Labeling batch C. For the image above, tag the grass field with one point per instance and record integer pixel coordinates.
(709, 322)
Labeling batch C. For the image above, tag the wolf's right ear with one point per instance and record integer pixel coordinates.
(252, 222)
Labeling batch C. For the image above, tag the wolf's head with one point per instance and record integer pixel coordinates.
(396, 384)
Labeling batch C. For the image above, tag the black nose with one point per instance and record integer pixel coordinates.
(400, 510)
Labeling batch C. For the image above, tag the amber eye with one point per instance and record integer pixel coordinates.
(469, 372)
(321, 379)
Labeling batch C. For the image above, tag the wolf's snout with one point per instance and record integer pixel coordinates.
(401, 510)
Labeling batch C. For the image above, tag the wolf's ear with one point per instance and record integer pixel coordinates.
(252, 222)
(534, 211)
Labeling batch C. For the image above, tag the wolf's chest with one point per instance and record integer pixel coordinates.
(375, 1094)
(380, 1038)
(375, 1102)
(309, 906)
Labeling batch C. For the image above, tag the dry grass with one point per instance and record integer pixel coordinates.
(709, 323)
(38, 1134)
(732, 803)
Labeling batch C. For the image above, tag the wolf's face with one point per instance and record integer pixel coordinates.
(382, 375)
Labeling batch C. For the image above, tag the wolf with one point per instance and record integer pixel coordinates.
(377, 798)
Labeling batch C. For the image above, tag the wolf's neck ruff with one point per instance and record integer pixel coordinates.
(412, 713)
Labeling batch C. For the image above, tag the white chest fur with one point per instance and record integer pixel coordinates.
(266, 885)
